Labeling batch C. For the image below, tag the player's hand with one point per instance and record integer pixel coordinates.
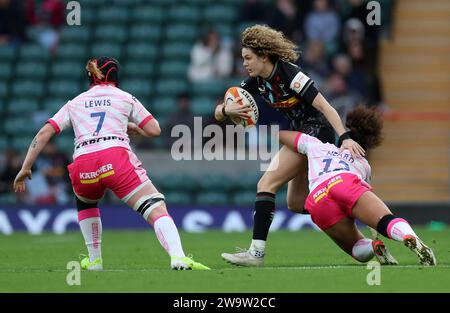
(235, 109)
(19, 182)
(354, 148)
(132, 129)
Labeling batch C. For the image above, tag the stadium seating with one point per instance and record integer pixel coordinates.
(72, 52)
(212, 198)
(7, 54)
(140, 88)
(61, 88)
(145, 32)
(33, 52)
(75, 35)
(6, 70)
(203, 106)
(31, 70)
(67, 70)
(19, 106)
(28, 88)
(3, 89)
(149, 13)
(137, 69)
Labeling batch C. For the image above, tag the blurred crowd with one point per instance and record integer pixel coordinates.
(339, 51)
(44, 17)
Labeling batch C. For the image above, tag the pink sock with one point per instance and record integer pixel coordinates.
(168, 236)
(91, 228)
(399, 228)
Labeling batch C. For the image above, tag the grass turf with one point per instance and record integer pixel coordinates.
(305, 261)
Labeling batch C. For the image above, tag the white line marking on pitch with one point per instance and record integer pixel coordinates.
(324, 267)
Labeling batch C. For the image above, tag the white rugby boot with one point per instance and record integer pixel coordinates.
(243, 257)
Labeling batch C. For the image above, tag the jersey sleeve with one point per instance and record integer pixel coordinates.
(61, 120)
(301, 83)
(303, 143)
(251, 85)
(139, 114)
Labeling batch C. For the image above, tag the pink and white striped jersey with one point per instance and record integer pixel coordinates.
(99, 118)
(325, 161)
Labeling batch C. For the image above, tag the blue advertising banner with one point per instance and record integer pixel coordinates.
(58, 220)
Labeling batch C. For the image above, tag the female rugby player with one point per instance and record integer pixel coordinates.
(340, 192)
(101, 118)
(268, 57)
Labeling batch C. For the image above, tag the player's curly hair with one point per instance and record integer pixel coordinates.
(263, 40)
(365, 126)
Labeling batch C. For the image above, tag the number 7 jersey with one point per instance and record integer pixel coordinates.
(99, 118)
(325, 161)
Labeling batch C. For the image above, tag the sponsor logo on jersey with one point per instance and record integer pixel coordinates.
(97, 140)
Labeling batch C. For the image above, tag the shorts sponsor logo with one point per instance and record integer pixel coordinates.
(94, 177)
(322, 192)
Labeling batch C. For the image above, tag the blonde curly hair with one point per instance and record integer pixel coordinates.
(264, 40)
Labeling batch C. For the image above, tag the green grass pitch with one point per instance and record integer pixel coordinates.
(304, 261)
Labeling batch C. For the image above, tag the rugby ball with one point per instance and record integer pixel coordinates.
(237, 92)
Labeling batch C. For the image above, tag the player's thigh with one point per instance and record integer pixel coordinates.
(369, 209)
(345, 234)
(87, 190)
(298, 190)
(147, 190)
(284, 166)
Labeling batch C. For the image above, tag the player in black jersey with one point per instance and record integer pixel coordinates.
(268, 57)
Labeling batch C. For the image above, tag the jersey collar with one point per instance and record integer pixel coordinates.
(273, 71)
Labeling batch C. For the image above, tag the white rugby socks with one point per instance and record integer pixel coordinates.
(167, 234)
(91, 228)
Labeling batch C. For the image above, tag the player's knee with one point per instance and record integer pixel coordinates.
(148, 203)
(266, 184)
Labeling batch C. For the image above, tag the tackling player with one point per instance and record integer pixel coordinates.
(340, 192)
(101, 118)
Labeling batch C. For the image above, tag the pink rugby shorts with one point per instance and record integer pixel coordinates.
(334, 199)
(115, 168)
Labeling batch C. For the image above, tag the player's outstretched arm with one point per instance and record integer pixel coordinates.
(40, 140)
(321, 104)
(287, 138)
